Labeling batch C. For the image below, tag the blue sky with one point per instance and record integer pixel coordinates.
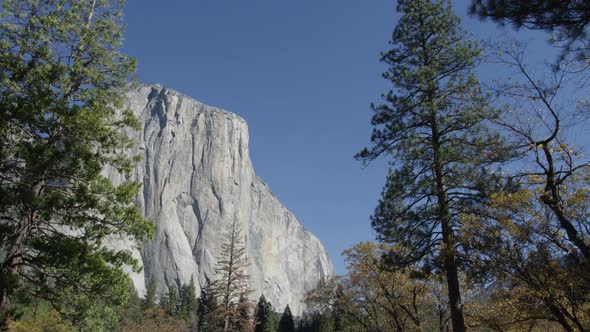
(302, 73)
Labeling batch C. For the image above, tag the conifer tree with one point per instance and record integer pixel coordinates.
(287, 324)
(188, 301)
(432, 124)
(62, 78)
(265, 320)
(150, 296)
(569, 18)
(208, 308)
(566, 20)
(170, 302)
(233, 281)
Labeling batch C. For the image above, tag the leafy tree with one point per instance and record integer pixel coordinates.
(287, 324)
(41, 318)
(156, 319)
(397, 302)
(62, 79)
(535, 276)
(432, 123)
(532, 244)
(90, 312)
(233, 281)
(133, 311)
(370, 297)
(264, 314)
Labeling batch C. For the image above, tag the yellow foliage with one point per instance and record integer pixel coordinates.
(41, 319)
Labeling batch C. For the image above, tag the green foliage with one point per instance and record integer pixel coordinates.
(317, 322)
(433, 118)
(62, 79)
(188, 302)
(135, 316)
(171, 302)
(150, 296)
(91, 312)
(133, 312)
(433, 125)
(265, 316)
(207, 319)
(156, 319)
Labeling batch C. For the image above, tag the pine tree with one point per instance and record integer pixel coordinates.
(150, 296)
(264, 315)
(287, 324)
(432, 124)
(62, 78)
(233, 281)
(569, 18)
(171, 302)
(188, 302)
(207, 310)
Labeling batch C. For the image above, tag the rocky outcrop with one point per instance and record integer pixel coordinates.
(197, 176)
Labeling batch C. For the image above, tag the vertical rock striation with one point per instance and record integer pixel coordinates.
(197, 176)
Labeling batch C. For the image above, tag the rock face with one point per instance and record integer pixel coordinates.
(197, 176)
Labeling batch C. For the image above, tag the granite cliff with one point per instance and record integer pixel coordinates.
(197, 176)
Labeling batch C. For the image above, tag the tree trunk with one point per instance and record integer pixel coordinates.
(16, 247)
(448, 253)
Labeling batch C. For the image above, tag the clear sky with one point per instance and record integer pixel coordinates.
(302, 73)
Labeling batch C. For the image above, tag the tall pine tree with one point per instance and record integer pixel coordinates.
(432, 125)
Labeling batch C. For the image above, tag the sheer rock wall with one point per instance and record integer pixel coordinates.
(197, 176)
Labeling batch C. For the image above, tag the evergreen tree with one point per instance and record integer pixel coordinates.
(133, 311)
(233, 281)
(432, 124)
(188, 301)
(62, 78)
(287, 324)
(171, 302)
(317, 322)
(265, 320)
(150, 296)
(207, 309)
